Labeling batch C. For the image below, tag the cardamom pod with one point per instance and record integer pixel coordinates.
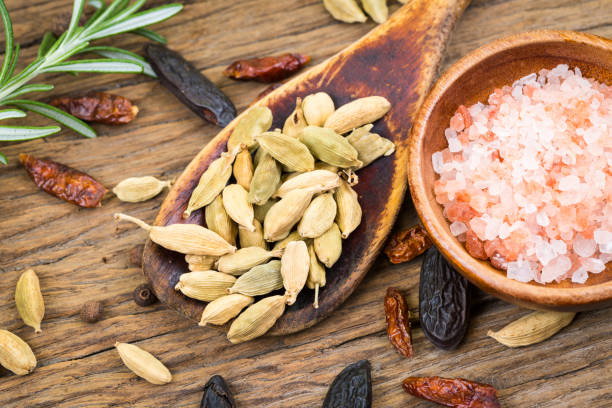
(204, 285)
(293, 236)
(377, 9)
(259, 153)
(244, 259)
(295, 122)
(137, 189)
(243, 169)
(287, 150)
(29, 300)
(532, 328)
(257, 319)
(316, 275)
(345, 10)
(328, 246)
(317, 108)
(143, 364)
(221, 310)
(283, 215)
(184, 238)
(200, 262)
(266, 179)
(236, 203)
(318, 217)
(316, 180)
(212, 182)
(295, 264)
(217, 220)
(357, 113)
(349, 210)
(252, 238)
(259, 280)
(262, 210)
(255, 121)
(369, 146)
(328, 146)
(319, 165)
(15, 354)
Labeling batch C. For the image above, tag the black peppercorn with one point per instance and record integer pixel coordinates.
(144, 296)
(91, 311)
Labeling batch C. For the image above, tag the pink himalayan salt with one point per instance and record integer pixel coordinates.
(528, 177)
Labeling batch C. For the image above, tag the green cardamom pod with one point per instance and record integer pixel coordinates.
(295, 122)
(262, 210)
(328, 246)
(347, 11)
(252, 238)
(244, 259)
(377, 9)
(255, 121)
(369, 146)
(205, 285)
(318, 217)
(317, 108)
(348, 216)
(243, 169)
(330, 147)
(266, 179)
(259, 280)
(316, 275)
(29, 300)
(287, 150)
(218, 221)
(293, 236)
(357, 113)
(283, 215)
(257, 319)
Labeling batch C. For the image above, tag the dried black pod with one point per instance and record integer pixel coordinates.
(91, 311)
(190, 86)
(444, 301)
(217, 394)
(351, 388)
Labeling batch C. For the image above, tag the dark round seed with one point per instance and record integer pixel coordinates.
(91, 311)
(144, 296)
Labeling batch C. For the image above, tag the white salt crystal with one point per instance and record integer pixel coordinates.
(504, 230)
(437, 162)
(544, 252)
(580, 275)
(558, 246)
(602, 236)
(450, 133)
(542, 219)
(530, 208)
(593, 265)
(517, 92)
(520, 271)
(457, 228)
(454, 145)
(556, 268)
(584, 247)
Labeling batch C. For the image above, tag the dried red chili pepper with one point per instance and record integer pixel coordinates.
(406, 245)
(98, 107)
(64, 182)
(266, 69)
(458, 393)
(265, 92)
(398, 322)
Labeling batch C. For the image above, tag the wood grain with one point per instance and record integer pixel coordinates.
(407, 49)
(81, 254)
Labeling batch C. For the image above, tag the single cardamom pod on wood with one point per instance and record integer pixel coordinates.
(532, 328)
(29, 300)
(15, 354)
(143, 364)
(137, 189)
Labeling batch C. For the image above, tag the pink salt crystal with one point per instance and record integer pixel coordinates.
(520, 271)
(593, 265)
(556, 268)
(456, 122)
(479, 226)
(458, 228)
(580, 275)
(584, 247)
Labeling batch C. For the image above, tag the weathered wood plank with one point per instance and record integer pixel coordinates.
(78, 366)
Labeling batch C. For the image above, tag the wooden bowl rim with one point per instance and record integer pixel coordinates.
(482, 273)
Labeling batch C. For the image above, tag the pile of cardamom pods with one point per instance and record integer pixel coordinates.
(350, 12)
(288, 199)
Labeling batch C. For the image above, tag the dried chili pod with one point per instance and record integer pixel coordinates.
(405, 245)
(398, 322)
(458, 393)
(190, 86)
(217, 394)
(64, 182)
(266, 69)
(444, 297)
(100, 107)
(351, 388)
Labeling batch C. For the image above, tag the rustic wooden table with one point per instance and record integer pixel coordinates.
(82, 254)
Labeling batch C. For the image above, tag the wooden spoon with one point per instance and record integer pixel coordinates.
(397, 60)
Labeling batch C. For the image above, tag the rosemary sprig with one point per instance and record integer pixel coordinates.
(120, 16)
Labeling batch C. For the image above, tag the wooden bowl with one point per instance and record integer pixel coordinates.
(473, 79)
